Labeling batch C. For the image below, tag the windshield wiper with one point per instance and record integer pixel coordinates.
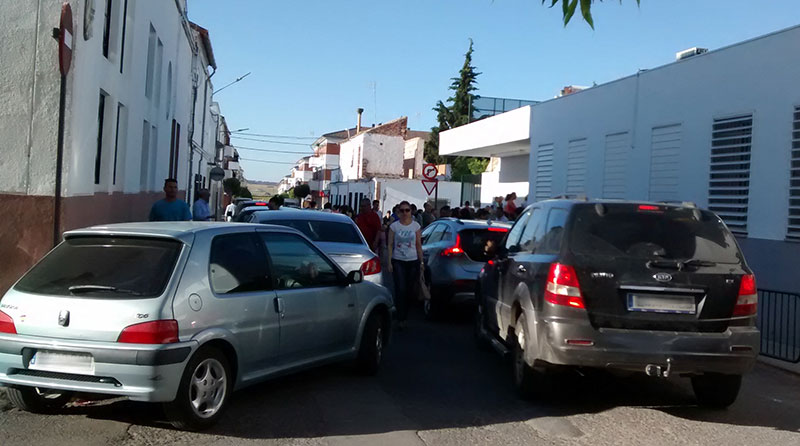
(693, 263)
(78, 289)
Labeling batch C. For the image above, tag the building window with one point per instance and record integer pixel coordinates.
(124, 29)
(543, 183)
(729, 181)
(576, 166)
(169, 89)
(120, 138)
(101, 113)
(153, 157)
(151, 61)
(615, 165)
(145, 162)
(793, 232)
(665, 149)
(158, 70)
(107, 28)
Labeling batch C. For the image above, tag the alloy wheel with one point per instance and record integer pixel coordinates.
(208, 388)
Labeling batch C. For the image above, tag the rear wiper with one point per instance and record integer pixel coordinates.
(663, 264)
(78, 289)
(695, 263)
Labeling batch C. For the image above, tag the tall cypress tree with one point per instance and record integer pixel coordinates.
(457, 112)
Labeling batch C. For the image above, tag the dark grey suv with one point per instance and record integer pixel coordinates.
(651, 287)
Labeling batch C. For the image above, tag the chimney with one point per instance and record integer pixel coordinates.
(358, 124)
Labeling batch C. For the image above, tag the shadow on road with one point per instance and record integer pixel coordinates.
(434, 377)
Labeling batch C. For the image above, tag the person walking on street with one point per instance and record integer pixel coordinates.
(370, 225)
(200, 210)
(405, 252)
(427, 215)
(229, 211)
(170, 208)
(511, 206)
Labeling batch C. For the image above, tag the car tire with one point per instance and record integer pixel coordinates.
(373, 341)
(204, 391)
(716, 390)
(526, 379)
(37, 399)
(479, 326)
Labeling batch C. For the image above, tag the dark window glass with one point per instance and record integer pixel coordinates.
(447, 235)
(322, 231)
(112, 267)
(238, 264)
(512, 242)
(437, 234)
(533, 232)
(551, 240)
(426, 233)
(670, 233)
(296, 264)
(480, 244)
(106, 28)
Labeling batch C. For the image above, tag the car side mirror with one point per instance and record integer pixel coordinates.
(354, 277)
(511, 250)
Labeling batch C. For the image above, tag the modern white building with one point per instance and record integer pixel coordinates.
(127, 118)
(721, 129)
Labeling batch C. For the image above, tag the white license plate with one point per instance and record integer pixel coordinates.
(662, 304)
(63, 362)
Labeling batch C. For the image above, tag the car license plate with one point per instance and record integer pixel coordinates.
(63, 362)
(661, 304)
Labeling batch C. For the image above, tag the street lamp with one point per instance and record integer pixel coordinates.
(226, 86)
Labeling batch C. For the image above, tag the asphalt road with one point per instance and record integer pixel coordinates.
(437, 388)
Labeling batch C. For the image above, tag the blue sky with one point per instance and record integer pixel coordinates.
(314, 62)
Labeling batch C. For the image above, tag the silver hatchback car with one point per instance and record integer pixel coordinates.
(183, 314)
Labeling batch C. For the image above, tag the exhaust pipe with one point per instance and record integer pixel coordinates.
(657, 371)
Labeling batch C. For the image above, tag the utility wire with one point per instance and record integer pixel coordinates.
(270, 150)
(273, 142)
(266, 161)
(277, 136)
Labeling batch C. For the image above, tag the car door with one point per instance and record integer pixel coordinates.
(518, 265)
(317, 310)
(243, 295)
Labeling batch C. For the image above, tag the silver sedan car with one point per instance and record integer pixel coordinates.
(335, 234)
(182, 314)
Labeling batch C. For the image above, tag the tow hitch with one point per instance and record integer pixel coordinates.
(658, 371)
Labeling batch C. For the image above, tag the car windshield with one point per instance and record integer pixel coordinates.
(104, 267)
(652, 232)
(323, 231)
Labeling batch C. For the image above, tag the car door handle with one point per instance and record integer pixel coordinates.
(522, 269)
(279, 306)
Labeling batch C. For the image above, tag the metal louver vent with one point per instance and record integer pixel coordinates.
(543, 183)
(729, 180)
(793, 230)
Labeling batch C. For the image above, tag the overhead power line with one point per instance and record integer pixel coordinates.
(271, 150)
(266, 161)
(272, 141)
(277, 136)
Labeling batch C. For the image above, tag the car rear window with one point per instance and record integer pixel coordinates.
(104, 267)
(652, 232)
(481, 244)
(323, 231)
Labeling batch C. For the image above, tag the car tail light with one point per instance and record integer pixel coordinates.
(371, 266)
(562, 287)
(496, 229)
(649, 208)
(7, 324)
(747, 301)
(154, 332)
(454, 250)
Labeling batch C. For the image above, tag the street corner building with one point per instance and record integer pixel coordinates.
(92, 146)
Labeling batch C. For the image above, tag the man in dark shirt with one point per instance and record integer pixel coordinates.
(370, 225)
(171, 208)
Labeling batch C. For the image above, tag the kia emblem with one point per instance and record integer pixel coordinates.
(63, 318)
(662, 277)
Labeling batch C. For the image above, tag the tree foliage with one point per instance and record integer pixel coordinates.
(455, 113)
(301, 191)
(244, 192)
(232, 186)
(569, 7)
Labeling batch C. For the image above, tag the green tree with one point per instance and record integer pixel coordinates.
(301, 191)
(232, 186)
(245, 193)
(569, 7)
(457, 113)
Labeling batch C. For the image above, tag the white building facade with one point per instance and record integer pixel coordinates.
(721, 129)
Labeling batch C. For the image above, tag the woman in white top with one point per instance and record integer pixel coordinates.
(405, 252)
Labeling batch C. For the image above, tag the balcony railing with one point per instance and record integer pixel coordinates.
(779, 322)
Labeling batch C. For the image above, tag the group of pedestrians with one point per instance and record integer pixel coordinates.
(172, 208)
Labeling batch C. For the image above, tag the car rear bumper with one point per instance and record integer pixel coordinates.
(733, 351)
(140, 372)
